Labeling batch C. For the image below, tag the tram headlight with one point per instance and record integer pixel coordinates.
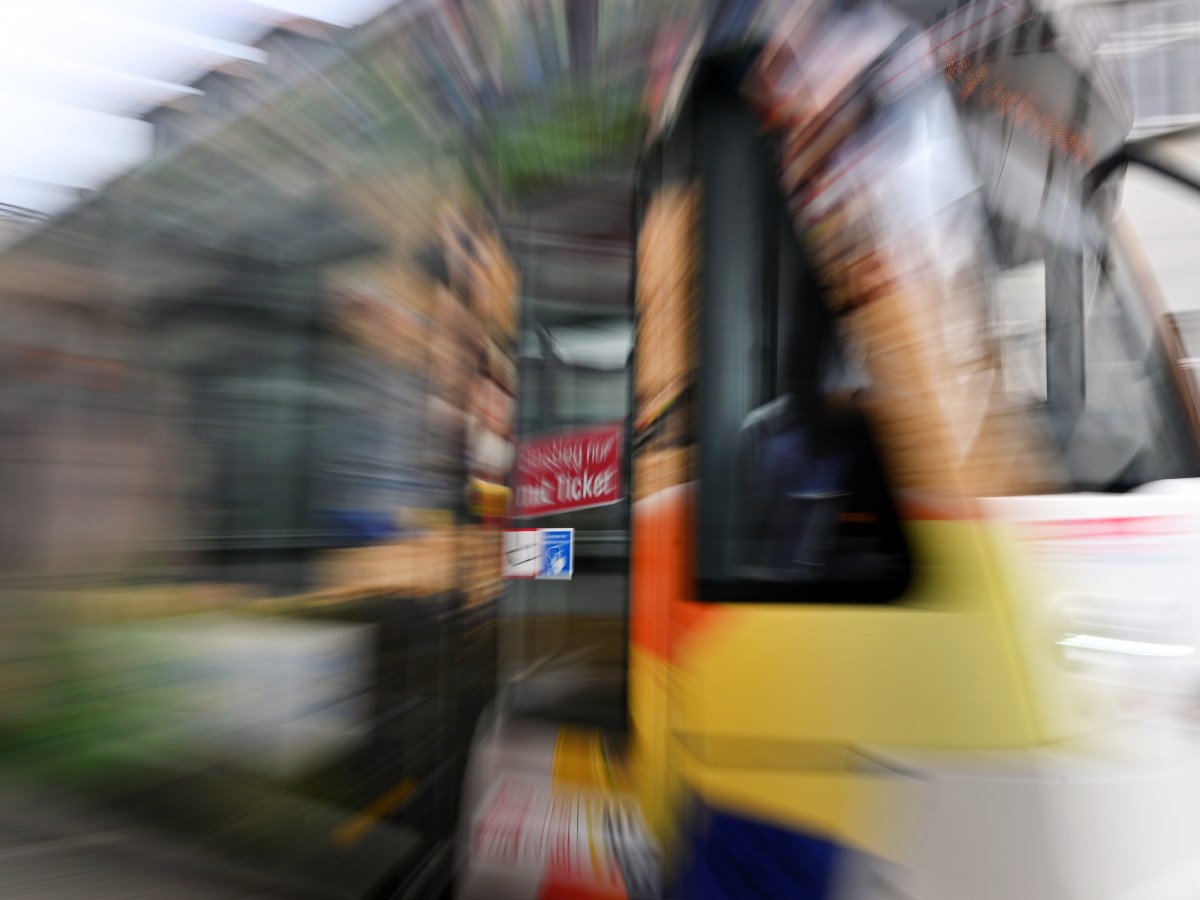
(1103, 644)
(1133, 643)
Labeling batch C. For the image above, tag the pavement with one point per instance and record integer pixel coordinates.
(53, 846)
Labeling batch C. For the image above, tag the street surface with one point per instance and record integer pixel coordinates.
(52, 848)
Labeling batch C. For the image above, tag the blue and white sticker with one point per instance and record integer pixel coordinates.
(539, 553)
(558, 553)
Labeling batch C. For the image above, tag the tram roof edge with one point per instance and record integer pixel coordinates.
(1043, 49)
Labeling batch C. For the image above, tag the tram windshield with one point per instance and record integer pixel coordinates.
(1079, 344)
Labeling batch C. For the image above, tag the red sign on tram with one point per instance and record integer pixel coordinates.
(563, 472)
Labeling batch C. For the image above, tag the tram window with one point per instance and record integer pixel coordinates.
(1090, 362)
(1021, 314)
(1132, 428)
(794, 505)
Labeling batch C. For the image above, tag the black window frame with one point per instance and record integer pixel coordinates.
(719, 78)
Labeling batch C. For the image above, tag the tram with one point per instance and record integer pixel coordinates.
(912, 525)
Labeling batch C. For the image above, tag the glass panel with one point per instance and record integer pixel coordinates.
(1021, 314)
(1147, 66)
(794, 504)
(1133, 429)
